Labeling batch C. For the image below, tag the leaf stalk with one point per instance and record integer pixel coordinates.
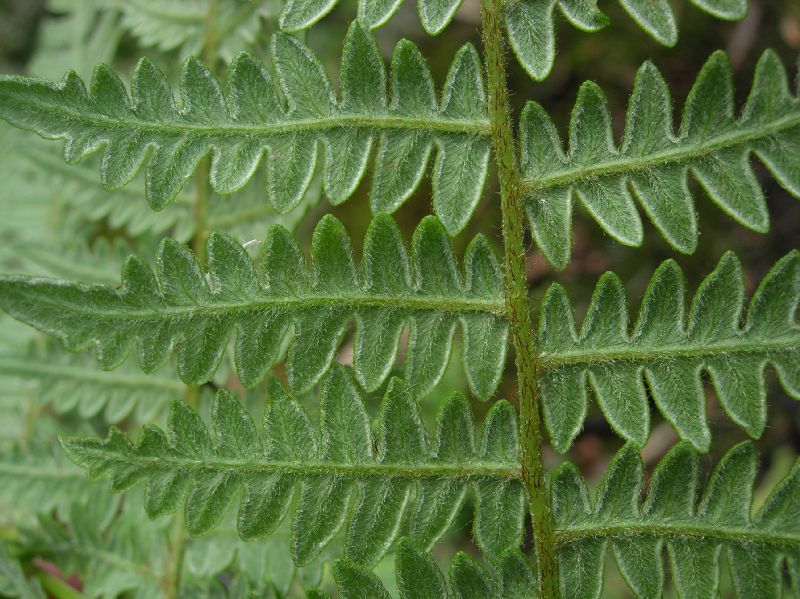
(516, 296)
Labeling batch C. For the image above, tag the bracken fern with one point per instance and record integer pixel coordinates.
(269, 410)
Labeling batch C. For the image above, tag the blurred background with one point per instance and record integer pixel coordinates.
(46, 205)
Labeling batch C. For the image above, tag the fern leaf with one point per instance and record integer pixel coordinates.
(13, 581)
(434, 15)
(531, 24)
(341, 477)
(654, 162)
(694, 533)
(419, 577)
(73, 382)
(150, 129)
(75, 34)
(100, 264)
(265, 565)
(38, 479)
(176, 308)
(243, 214)
(120, 558)
(671, 352)
(182, 24)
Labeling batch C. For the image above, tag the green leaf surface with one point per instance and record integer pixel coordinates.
(125, 557)
(37, 479)
(333, 469)
(434, 15)
(76, 191)
(695, 531)
(652, 163)
(180, 308)
(183, 24)
(73, 382)
(75, 34)
(248, 125)
(531, 24)
(419, 577)
(669, 351)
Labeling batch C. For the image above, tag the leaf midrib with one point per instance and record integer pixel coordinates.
(552, 361)
(676, 529)
(340, 302)
(432, 123)
(469, 470)
(680, 153)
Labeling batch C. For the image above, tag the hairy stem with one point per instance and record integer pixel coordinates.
(516, 297)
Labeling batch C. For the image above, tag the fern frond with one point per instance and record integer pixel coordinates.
(70, 382)
(694, 533)
(75, 34)
(176, 308)
(655, 162)
(342, 477)
(671, 351)
(419, 577)
(37, 479)
(13, 582)
(531, 24)
(99, 264)
(33, 219)
(86, 201)
(150, 129)
(265, 565)
(182, 24)
(122, 559)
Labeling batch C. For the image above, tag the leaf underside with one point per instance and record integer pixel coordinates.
(39, 479)
(434, 15)
(289, 452)
(244, 214)
(694, 533)
(180, 308)
(418, 577)
(531, 24)
(670, 351)
(342, 472)
(280, 124)
(652, 163)
(72, 382)
(182, 24)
